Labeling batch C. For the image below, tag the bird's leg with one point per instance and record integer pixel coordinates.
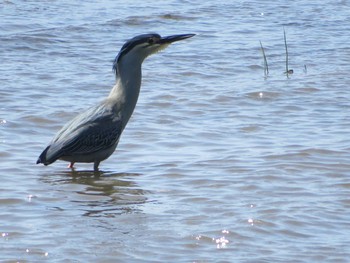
(96, 164)
(71, 165)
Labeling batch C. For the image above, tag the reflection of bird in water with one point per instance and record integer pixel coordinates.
(93, 135)
(98, 196)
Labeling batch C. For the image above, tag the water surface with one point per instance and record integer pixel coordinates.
(218, 163)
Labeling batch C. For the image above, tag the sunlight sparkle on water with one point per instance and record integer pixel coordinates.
(29, 198)
(251, 221)
(221, 242)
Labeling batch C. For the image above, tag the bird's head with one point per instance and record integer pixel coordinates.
(140, 47)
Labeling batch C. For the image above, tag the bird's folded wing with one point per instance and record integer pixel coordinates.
(87, 136)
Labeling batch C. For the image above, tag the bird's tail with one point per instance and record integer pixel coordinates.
(42, 158)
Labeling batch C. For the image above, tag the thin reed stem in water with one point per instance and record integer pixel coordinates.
(288, 71)
(266, 66)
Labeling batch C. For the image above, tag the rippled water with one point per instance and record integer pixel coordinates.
(218, 163)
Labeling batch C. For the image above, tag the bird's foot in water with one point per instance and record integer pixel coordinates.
(71, 165)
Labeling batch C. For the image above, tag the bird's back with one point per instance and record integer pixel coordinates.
(86, 136)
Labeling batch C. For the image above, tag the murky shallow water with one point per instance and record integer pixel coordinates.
(218, 163)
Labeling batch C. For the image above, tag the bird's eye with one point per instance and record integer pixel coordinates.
(151, 40)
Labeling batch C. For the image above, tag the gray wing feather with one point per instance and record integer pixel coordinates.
(97, 129)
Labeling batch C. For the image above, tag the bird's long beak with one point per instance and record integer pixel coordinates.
(174, 38)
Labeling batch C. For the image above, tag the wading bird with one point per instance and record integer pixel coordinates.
(93, 135)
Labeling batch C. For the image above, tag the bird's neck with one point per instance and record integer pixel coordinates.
(126, 91)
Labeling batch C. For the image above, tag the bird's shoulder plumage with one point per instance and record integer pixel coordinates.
(96, 129)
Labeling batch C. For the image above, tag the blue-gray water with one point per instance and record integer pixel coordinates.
(218, 163)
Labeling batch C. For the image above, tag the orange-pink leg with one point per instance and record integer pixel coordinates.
(71, 165)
